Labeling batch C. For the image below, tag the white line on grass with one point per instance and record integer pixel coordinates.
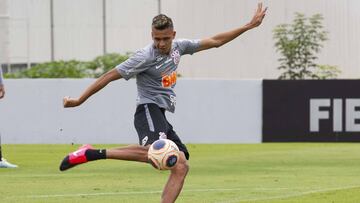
(92, 194)
(193, 190)
(140, 192)
(44, 175)
(289, 195)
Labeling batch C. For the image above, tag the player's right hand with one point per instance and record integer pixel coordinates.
(70, 102)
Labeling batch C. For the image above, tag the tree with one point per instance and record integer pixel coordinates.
(298, 43)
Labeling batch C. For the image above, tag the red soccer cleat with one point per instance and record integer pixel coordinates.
(75, 158)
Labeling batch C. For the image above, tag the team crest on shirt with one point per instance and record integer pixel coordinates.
(175, 55)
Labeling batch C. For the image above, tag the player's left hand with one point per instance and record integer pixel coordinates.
(2, 91)
(258, 17)
(70, 102)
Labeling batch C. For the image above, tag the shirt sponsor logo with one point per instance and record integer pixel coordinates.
(169, 80)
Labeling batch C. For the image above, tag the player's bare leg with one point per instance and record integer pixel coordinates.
(176, 180)
(177, 176)
(129, 153)
(138, 153)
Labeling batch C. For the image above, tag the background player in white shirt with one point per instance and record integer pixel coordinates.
(155, 70)
(3, 162)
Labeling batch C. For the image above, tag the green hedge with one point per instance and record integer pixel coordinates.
(72, 68)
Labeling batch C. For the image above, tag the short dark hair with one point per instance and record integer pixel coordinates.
(162, 22)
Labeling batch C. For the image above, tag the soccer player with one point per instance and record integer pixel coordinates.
(3, 162)
(154, 67)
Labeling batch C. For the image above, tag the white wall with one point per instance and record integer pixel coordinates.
(78, 32)
(208, 111)
(253, 55)
(129, 24)
(78, 29)
(29, 31)
(4, 31)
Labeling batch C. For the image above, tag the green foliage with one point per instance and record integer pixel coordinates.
(327, 71)
(298, 43)
(56, 69)
(107, 62)
(72, 68)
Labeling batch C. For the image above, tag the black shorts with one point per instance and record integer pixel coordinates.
(150, 122)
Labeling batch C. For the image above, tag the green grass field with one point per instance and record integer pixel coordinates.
(272, 173)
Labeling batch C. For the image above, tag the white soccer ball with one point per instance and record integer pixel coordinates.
(163, 154)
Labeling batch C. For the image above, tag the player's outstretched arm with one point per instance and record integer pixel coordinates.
(223, 38)
(100, 83)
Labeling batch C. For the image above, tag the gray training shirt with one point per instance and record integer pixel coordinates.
(156, 73)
